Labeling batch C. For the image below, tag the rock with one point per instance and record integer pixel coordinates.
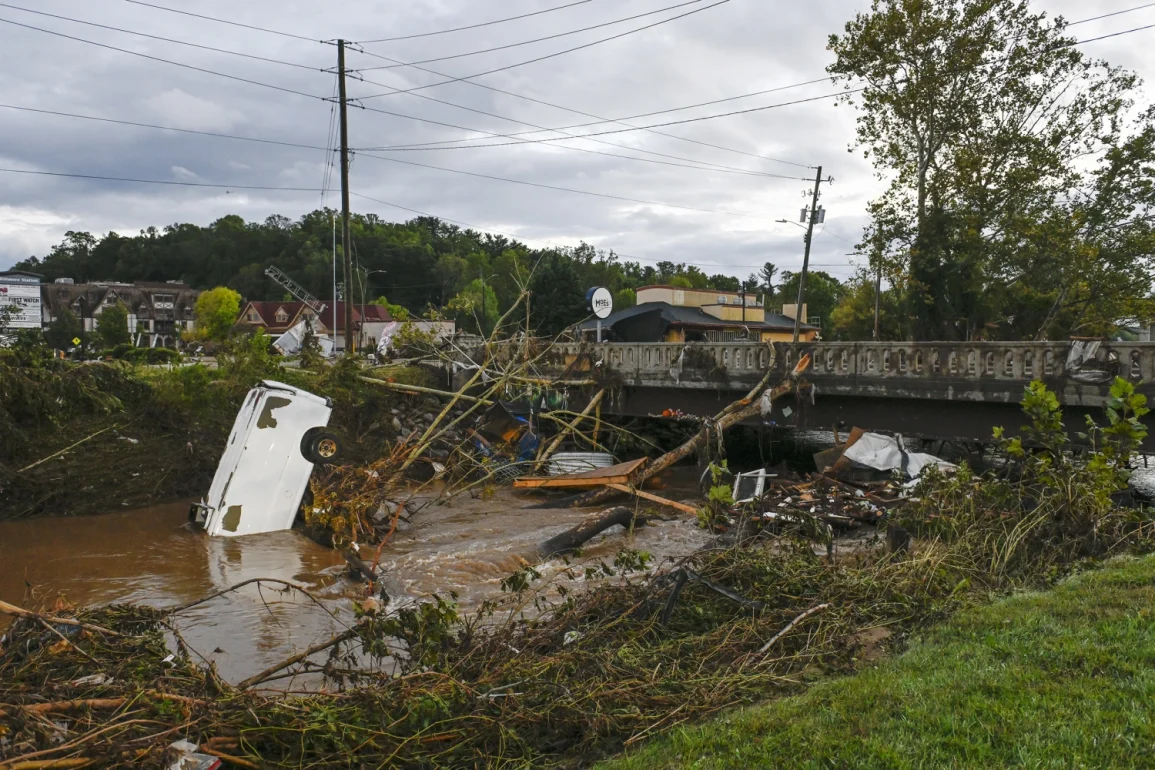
(395, 412)
(429, 417)
(397, 425)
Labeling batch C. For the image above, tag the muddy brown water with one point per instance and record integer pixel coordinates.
(147, 556)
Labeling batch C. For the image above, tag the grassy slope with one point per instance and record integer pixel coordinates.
(1064, 678)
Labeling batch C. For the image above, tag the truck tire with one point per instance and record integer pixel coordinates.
(320, 447)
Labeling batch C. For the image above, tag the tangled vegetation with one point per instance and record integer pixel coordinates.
(547, 676)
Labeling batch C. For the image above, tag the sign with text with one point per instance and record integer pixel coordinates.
(19, 306)
(601, 302)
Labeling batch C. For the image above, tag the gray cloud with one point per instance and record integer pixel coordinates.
(736, 48)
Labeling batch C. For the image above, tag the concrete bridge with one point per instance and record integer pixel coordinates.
(940, 390)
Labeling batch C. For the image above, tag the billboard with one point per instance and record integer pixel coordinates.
(20, 306)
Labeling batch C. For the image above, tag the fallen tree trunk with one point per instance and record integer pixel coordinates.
(737, 412)
(588, 529)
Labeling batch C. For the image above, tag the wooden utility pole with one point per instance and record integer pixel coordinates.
(346, 238)
(877, 296)
(806, 256)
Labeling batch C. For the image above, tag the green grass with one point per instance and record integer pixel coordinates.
(1064, 678)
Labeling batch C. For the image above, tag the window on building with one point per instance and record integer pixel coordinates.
(253, 316)
(282, 316)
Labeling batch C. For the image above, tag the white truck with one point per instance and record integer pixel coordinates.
(278, 436)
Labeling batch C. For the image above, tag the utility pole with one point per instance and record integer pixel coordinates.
(877, 296)
(481, 322)
(806, 256)
(346, 239)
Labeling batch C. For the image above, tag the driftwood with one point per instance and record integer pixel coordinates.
(737, 412)
(11, 609)
(562, 434)
(790, 625)
(591, 527)
(654, 498)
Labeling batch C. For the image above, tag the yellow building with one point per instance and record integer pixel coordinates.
(674, 314)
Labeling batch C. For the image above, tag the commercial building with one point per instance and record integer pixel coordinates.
(158, 313)
(276, 318)
(675, 314)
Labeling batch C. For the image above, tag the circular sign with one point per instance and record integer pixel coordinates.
(600, 301)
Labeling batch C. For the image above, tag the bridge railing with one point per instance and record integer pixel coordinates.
(1009, 361)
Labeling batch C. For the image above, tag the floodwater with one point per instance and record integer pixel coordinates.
(147, 556)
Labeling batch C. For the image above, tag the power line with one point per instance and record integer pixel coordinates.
(1104, 37)
(474, 26)
(718, 115)
(598, 118)
(225, 21)
(537, 39)
(645, 128)
(704, 167)
(159, 127)
(156, 181)
(543, 128)
(552, 55)
(1109, 15)
(645, 115)
(554, 187)
(158, 59)
(165, 39)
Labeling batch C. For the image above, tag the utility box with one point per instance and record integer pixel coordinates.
(278, 437)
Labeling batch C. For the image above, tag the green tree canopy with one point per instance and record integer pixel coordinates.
(475, 308)
(112, 325)
(65, 328)
(216, 313)
(1020, 191)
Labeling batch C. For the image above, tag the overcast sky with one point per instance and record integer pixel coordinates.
(735, 48)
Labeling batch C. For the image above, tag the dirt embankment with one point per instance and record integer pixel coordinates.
(80, 439)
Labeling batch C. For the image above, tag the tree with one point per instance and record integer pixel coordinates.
(625, 298)
(823, 292)
(63, 330)
(396, 312)
(557, 299)
(983, 116)
(216, 313)
(853, 317)
(475, 308)
(112, 325)
(766, 278)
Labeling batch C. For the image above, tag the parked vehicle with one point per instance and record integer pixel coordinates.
(278, 437)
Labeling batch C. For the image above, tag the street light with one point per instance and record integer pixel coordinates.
(363, 282)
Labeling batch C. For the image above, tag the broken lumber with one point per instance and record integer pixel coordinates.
(655, 498)
(737, 412)
(622, 473)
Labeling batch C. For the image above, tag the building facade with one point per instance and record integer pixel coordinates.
(675, 314)
(276, 318)
(158, 313)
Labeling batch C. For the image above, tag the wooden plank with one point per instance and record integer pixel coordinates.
(567, 482)
(654, 498)
(622, 473)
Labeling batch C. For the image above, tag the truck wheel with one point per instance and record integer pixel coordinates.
(320, 447)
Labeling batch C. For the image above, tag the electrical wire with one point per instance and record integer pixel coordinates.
(644, 115)
(475, 26)
(537, 39)
(164, 39)
(552, 55)
(539, 129)
(598, 118)
(158, 59)
(225, 21)
(330, 146)
(159, 127)
(704, 167)
(554, 187)
(155, 181)
(644, 128)
(1109, 15)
